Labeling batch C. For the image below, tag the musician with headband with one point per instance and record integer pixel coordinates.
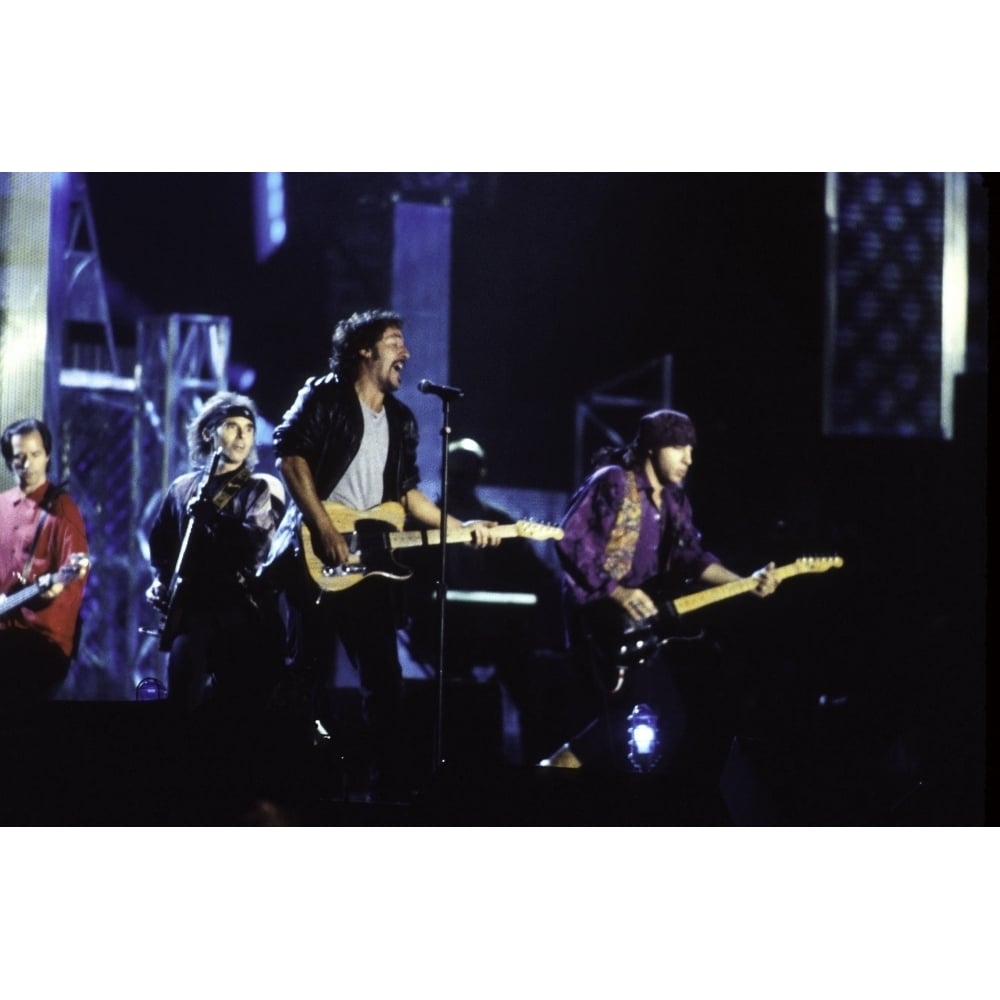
(43, 558)
(220, 625)
(629, 539)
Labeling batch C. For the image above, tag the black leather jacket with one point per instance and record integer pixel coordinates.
(324, 426)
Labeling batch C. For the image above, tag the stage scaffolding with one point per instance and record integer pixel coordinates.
(123, 418)
(609, 414)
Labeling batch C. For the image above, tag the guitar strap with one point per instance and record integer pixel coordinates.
(223, 496)
(231, 487)
(624, 538)
(46, 504)
(23, 575)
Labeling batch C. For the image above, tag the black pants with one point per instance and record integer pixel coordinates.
(365, 619)
(604, 742)
(686, 688)
(223, 671)
(227, 652)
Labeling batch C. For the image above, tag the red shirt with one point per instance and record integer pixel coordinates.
(62, 535)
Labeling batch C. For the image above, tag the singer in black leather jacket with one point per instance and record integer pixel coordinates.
(348, 445)
(325, 426)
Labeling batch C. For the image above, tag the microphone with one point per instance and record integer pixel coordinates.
(426, 386)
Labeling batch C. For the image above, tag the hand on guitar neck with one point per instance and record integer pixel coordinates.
(638, 605)
(767, 580)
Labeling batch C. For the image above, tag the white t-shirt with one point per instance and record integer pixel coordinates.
(361, 485)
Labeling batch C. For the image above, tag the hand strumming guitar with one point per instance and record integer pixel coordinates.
(636, 603)
(329, 545)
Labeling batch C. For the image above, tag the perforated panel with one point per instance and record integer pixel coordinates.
(887, 372)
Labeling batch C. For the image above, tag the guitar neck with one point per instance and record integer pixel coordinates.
(14, 601)
(691, 602)
(78, 564)
(432, 536)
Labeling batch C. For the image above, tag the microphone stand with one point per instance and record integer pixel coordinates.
(170, 614)
(442, 584)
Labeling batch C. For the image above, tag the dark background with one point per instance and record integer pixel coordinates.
(561, 282)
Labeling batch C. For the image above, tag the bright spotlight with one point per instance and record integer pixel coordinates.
(643, 738)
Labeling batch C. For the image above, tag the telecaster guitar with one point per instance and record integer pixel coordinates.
(78, 564)
(374, 534)
(622, 643)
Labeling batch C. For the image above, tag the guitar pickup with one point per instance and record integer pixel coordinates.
(637, 647)
(344, 569)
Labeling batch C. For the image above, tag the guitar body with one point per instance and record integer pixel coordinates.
(374, 534)
(170, 621)
(367, 533)
(619, 643)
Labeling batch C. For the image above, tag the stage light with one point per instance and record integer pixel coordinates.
(150, 689)
(240, 377)
(271, 226)
(643, 738)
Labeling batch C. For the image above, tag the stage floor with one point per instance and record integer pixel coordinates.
(116, 764)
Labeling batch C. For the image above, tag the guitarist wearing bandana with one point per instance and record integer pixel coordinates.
(43, 546)
(221, 627)
(629, 536)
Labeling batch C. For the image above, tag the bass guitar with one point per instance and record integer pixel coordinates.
(78, 564)
(373, 535)
(621, 643)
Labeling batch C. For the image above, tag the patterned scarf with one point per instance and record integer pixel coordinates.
(625, 533)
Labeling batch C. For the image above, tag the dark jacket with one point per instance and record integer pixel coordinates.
(324, 426)
(225, 555)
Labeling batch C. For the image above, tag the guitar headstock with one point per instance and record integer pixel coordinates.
(818, 564)
(78, 564)
(538, 532)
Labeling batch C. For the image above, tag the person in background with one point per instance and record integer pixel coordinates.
(221, 625)
(42, 537)
(503, 613)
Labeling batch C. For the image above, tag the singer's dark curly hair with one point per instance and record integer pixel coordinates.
(354, 334)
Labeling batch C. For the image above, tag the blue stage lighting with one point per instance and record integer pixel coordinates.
(150, 689)
(240, 377)
(270, 223)
(643, 738)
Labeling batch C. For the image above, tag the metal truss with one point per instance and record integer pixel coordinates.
(125, 436)
(609, 413)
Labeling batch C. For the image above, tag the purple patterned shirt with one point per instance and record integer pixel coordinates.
(669, 545)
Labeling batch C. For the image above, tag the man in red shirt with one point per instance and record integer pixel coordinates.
(41, 532)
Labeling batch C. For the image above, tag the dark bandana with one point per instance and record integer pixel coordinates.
(238, 411)
(665, 429)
